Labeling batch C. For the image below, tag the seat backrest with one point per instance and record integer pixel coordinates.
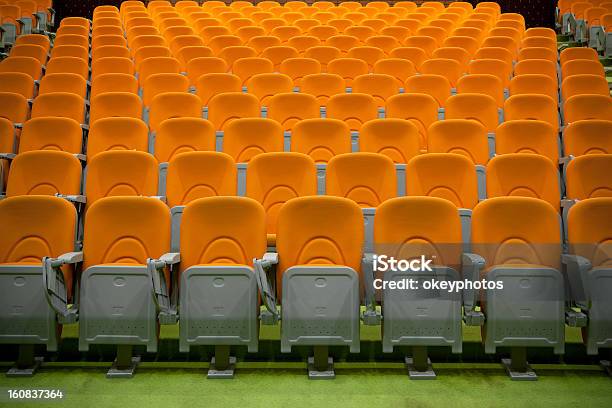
(198, 174)
(125, 230)
(113, 83)
(111, 104)
(528, 53)
(478, 107)
(444, 175)
(51, 133)
(113, 65)
(573, 53)
(398, 68)
(431, 84)
(245, 68)
(413, 54)
(279, 53)
(366, 178)
(582, 66)
(486, 84)
(397, 139)
(18, 83)
(13, 107)
(355, 109)
(180, 135)
(588, 176)
(418, 108)
(173, 105)
(496, 67)
(209, 85)
(34, 227)
(275, 178)
(527, 136)
(348, 68)
(448, 68)
(245, 138)
(59, 104)
(117, 133)
(321, 139)
(461, 136)
(265, 86)
(588, 137)
(162, 83)
(589, 226)
(380, 86)
(512, 175)
(289, 108)
(534, 84)
(223, 231)
(517, 231)
(319, 230)
(408, 227)
(532, 106)
(30, 50)
(581, 107)
(44, 172)
(536, 66)
(27, 65)
(121, 173)
(63, 82)
(585, 84)
(226, 107)
(323, 86)
(157, 65)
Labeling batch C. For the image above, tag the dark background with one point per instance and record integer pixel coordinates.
(537, 13)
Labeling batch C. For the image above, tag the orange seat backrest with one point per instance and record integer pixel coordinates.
(275, 178)
(517, 231)
(222, 231)
(408, 227)
(126, 230)
(34, 227)
(444, 175)
(194, 175)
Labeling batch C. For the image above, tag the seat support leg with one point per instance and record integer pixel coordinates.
(419, 366)
(27, 364)
(321, 365)
(517, 366)
(222, 364)
(125, 364)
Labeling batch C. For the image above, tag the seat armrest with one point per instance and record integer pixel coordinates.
(81, 199)
(575, 268)
(7, 156)
(165, 301)
(71, 257)
(171, 258)
(267, 263)
(371, 316)
(472, 264)
(54, 285)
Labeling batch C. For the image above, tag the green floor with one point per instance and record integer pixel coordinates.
(368, 385)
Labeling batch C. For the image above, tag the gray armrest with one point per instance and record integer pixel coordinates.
(54, 285)
(472, 264)
(574, 269)
(72, 257)
(73, 198)
(371, 316)
(261, 266)
(7, 156)
(171, 258)
(165, 301)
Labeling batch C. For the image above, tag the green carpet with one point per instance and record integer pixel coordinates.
(469, 385)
